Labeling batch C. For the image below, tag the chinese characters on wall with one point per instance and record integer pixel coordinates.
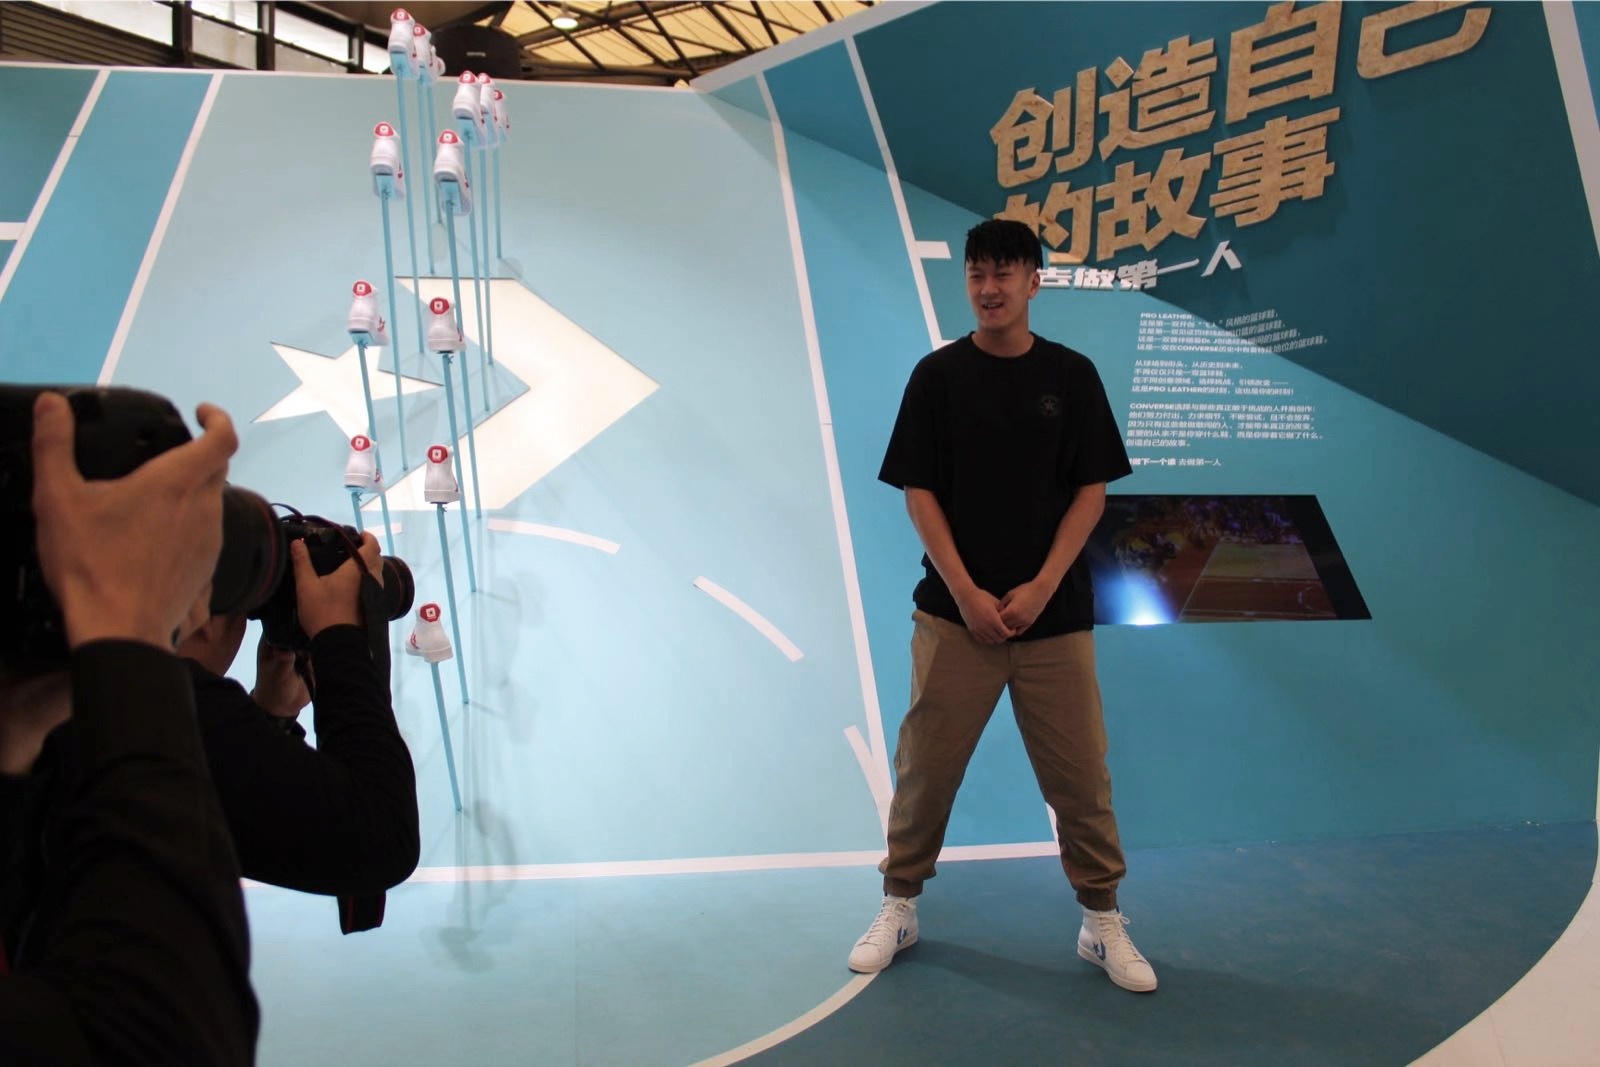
(1290, 57)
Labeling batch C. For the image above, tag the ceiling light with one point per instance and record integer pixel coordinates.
(564, 21)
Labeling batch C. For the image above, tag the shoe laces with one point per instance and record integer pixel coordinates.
(889, 921)
(1111, 928)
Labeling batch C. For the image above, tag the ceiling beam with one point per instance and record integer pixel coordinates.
(673, 41)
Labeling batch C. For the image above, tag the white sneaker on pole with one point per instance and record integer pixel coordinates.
(422, 52)
(502, 116)
(402, 57)
(450, 172)
(894, 930)
(388, 169)
(442, 333)
(365, 322)
(465, 106)
(428, 638)
(1103, 940)
(361, 469)
(491, 129)
(439, 485)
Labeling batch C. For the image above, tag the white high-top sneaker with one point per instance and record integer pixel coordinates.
(439, 485)
(894, 929)
(442, 333)
(364, 319)
(450, 172)
(427, 638)
(361, 469)
(387, 168)
(1103, 940)
(486, 91)
(422, 50)
(469, 121)
(402, 60)
(502, 115)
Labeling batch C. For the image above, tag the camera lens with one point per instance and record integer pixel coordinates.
(399, 588)
(254, 554)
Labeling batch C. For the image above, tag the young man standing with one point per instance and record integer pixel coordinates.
(1003, 446)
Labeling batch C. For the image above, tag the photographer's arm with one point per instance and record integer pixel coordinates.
(138, 952)
(338, 819)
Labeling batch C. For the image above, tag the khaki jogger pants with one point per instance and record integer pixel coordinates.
(955, 685)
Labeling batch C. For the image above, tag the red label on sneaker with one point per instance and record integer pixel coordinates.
(361, 289)
(419, 30)
(360, 442)
(429, 613)
(399, 14)
(449, 137)
(438, 454)
(467, 78)
(439, 305)
(383, 129)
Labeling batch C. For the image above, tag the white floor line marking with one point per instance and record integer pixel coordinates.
(1573, 74)
(12, 231)
(877, 781)
(877, 768)
(751, 616)
(159, 234)
(9, 270)
(933, 249)
(783, 1033)
(1547, 1016)
(555, 533)
(785, 861)
(899, 195)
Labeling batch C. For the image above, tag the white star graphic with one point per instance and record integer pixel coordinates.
(334, 386)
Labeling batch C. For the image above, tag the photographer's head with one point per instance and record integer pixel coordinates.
(215, 642)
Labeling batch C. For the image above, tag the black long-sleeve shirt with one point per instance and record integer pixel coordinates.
(338, 819)
(136, 950)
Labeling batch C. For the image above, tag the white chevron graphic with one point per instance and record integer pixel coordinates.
(577, 387)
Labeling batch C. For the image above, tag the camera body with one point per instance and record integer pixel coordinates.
(328, 545)
(117, 430)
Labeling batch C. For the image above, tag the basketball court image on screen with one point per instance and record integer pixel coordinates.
(1159, 559)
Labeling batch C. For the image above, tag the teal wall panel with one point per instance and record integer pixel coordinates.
(62, 309)
(40, 108)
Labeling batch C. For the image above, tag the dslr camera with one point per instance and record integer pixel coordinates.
(117, 430)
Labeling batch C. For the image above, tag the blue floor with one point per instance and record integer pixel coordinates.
(1335, 952)
(1350, 951)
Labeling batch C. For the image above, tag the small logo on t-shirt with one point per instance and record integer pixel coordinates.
(1049, 405)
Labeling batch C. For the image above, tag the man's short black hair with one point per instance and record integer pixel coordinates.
(1004, 241)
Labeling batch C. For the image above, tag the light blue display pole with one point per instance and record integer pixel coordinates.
(488, 277)
(444, 732)
(411, 230)
(455, 453)
(477, 292)
(449, 193)
(386, 193)
(450, 590)
(372, 435)
(426, 116)
(499, 245)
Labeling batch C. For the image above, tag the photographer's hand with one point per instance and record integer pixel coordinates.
(280, 690)
(332, 599)
(107, 548)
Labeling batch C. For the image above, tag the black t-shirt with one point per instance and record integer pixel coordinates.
(1003, 444)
